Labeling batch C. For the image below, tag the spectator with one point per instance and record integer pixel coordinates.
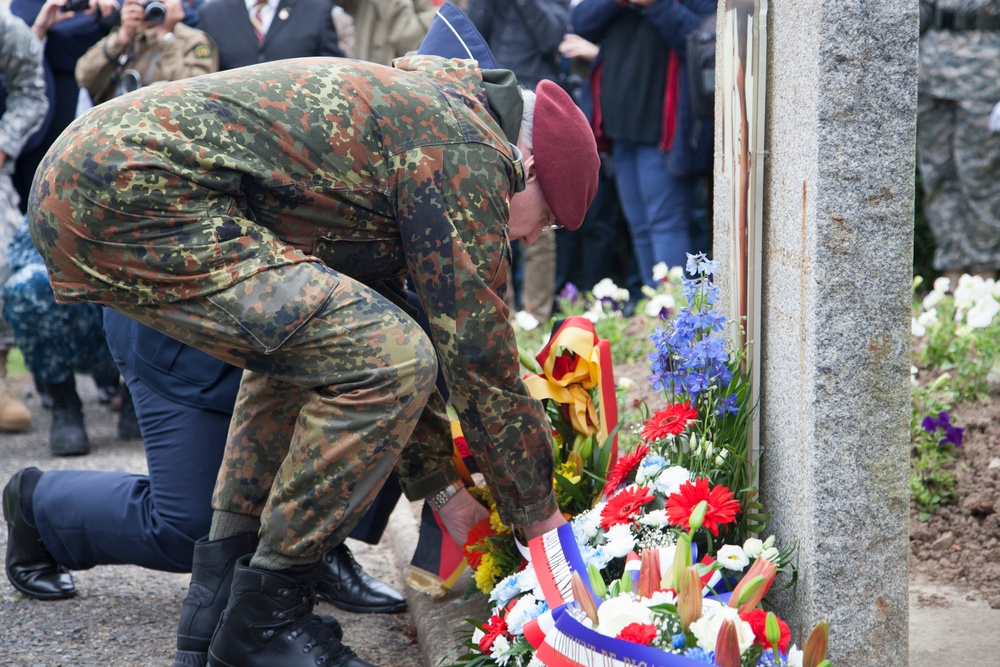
(387, 29)
(524, 36)
(146, 48)
(959, 157)
(642, 108)
(256, 31)
(25, 106)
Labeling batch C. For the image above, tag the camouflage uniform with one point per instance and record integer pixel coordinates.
(959, 158)
(54, 338)
(26, 104)
(269, 215)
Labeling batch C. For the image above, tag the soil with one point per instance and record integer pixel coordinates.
(958, 546)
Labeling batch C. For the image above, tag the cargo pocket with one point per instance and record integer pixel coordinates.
(269, 307)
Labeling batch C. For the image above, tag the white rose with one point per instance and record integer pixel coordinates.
(731, 557)
(706, 628)
(616, 613)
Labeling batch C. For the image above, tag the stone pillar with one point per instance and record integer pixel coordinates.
(836, 297)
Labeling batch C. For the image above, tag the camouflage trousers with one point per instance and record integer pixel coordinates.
(10, 219)
(337, 378)
(959, 162)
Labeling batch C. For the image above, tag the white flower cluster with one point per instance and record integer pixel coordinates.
(977, 302)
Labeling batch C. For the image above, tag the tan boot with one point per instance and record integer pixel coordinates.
(14, 414)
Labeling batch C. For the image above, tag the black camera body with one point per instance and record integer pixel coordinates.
(76, 6)
(156, 11)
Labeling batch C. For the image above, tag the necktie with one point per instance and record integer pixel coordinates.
(257, 22)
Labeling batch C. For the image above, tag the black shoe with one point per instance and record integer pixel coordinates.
(128, 422)
(67, 437)
(30, 567)
(208, 594)
(341, 582)
(269, 621)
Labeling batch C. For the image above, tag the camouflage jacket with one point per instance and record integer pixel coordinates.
(962, 64)
(21, 67)
(380, 173)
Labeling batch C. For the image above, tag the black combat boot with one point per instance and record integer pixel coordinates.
(269, 621)
(67, 437)
(208, 593)
(211, 578)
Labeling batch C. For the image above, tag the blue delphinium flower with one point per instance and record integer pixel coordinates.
(701, 655)
(727, 405)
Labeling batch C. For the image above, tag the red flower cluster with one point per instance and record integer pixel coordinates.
(757, 618)
(638, 633)
(475, 546)
(495, 628)
(624, 505)
(625, 467)
(671, 420)
(722, 507)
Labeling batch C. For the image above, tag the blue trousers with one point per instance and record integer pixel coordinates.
(657, 206)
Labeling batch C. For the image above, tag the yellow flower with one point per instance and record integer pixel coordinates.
(497, 525)
(568, 470)
(486, 574)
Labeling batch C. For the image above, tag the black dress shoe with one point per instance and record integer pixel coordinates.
(341, 582)
(30, 567)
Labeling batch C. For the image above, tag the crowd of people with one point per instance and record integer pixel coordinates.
(296, 232)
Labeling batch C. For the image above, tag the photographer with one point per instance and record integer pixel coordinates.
(151, 45)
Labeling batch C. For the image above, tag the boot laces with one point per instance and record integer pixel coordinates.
(299, 620)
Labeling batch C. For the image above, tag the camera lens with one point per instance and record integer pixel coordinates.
(156, 12)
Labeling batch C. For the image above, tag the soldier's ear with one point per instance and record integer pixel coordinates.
(529, 167)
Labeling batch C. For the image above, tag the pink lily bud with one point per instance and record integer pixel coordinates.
(754, 585)
(649, 573)
(583, 598)
(689, 598)
(682, 561)
(727, 646)
(814, 653)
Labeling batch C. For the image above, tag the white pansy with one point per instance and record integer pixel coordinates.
(525, 320)
(795, 657)
(619, 540)
(970, 290)
(605, 289)
(929, 318)
(624, 383)
(616, 613)
(660, 272)
(596, 312)
(658, 304)
(942, 285)
(932, 299)
(676, 274)
(753, 547)
(916, 328)
(732, 557)
(981, 315)
(706, 628)
(670, 480)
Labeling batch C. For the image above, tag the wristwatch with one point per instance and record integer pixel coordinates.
(438, 500)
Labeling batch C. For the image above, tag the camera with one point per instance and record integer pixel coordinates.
(156, 11)
(76, 6)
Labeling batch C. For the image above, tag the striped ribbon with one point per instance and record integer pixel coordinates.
(257, 21)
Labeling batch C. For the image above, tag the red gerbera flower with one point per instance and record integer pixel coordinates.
(757, 618)
(624, 505)
(722, 507)
(638, 633)
(495, 628)
(671, 420)
(625, 467)
(473, 549)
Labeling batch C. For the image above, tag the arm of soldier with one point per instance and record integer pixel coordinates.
(192, 54)
(21, 66)
(452, 207)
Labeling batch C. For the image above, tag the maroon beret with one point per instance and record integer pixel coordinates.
(565, 151)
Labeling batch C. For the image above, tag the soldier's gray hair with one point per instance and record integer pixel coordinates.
(527, 117)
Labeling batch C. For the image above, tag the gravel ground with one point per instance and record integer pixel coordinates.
(125, 616)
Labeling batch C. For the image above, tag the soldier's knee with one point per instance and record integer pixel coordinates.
(426, 363)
